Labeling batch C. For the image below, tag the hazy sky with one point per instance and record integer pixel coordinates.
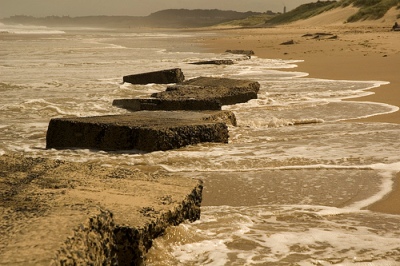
(74, 8)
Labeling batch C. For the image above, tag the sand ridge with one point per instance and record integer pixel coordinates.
(335, 16)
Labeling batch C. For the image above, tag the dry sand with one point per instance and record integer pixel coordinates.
(362, 51)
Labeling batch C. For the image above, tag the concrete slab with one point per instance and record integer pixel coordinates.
(146, 131)
(214, 62)
(159, 77)
(172, 104)
(55, 212)
(244, 52)
(202, 93)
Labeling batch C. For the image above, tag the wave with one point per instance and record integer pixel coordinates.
(28, 29)
(277, 235)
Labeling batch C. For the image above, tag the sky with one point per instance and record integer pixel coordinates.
(74, 8)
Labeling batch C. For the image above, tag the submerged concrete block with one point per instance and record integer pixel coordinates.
(146, 131)
(159, 77)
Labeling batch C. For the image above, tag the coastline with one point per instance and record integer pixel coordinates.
(89, 194)
(359, 51)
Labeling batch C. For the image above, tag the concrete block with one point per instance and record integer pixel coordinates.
(159, 77)
(55, 212)
(214, 62)
(173, 104)
(202, 93)
(146, 131)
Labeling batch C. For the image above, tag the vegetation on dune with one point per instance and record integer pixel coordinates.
(196, 17)
(252, 21)
(398, 8)
(303, 12)
(368, 9)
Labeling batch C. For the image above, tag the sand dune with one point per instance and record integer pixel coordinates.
(337, 16)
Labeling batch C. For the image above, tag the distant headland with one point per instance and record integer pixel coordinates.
(170, 18)
(187, 18)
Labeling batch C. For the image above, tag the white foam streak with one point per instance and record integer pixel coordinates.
(276, 122)
(387, 171)
(387, 168)
(24, 29)
(285, 234)
(214, 252)
(386, 187)
(390, 109)
(172, 169)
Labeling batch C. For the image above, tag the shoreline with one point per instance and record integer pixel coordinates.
(358, 52)
(374, 56)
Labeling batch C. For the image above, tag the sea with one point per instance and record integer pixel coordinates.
(291, 187)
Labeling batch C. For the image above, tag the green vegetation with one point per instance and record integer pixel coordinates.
(369, 9)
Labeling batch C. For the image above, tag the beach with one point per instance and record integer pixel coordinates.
(359, 53)
(355, 51)
(307, 161)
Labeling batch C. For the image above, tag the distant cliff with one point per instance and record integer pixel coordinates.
(171, 18)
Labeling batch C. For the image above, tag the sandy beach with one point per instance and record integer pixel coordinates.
(291, 186)
(332, 49)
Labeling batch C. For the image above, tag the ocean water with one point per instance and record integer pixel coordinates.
(290, 187)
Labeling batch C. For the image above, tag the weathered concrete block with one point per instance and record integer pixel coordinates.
(221, 95)
(290, 42)
(159, 77)
(245, 52)
(224, 95)
(215, 62)
(147, 131)
(56, 212)
(221, 82)
(202, 93)
(227, 91)
(172, 104)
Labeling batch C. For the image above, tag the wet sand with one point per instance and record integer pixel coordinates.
(356, 51)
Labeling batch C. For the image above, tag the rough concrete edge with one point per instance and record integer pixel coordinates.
(157, 104)
(102, 242)
(166, 76)
(227, 117)
(92, 243)
(133, 243)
